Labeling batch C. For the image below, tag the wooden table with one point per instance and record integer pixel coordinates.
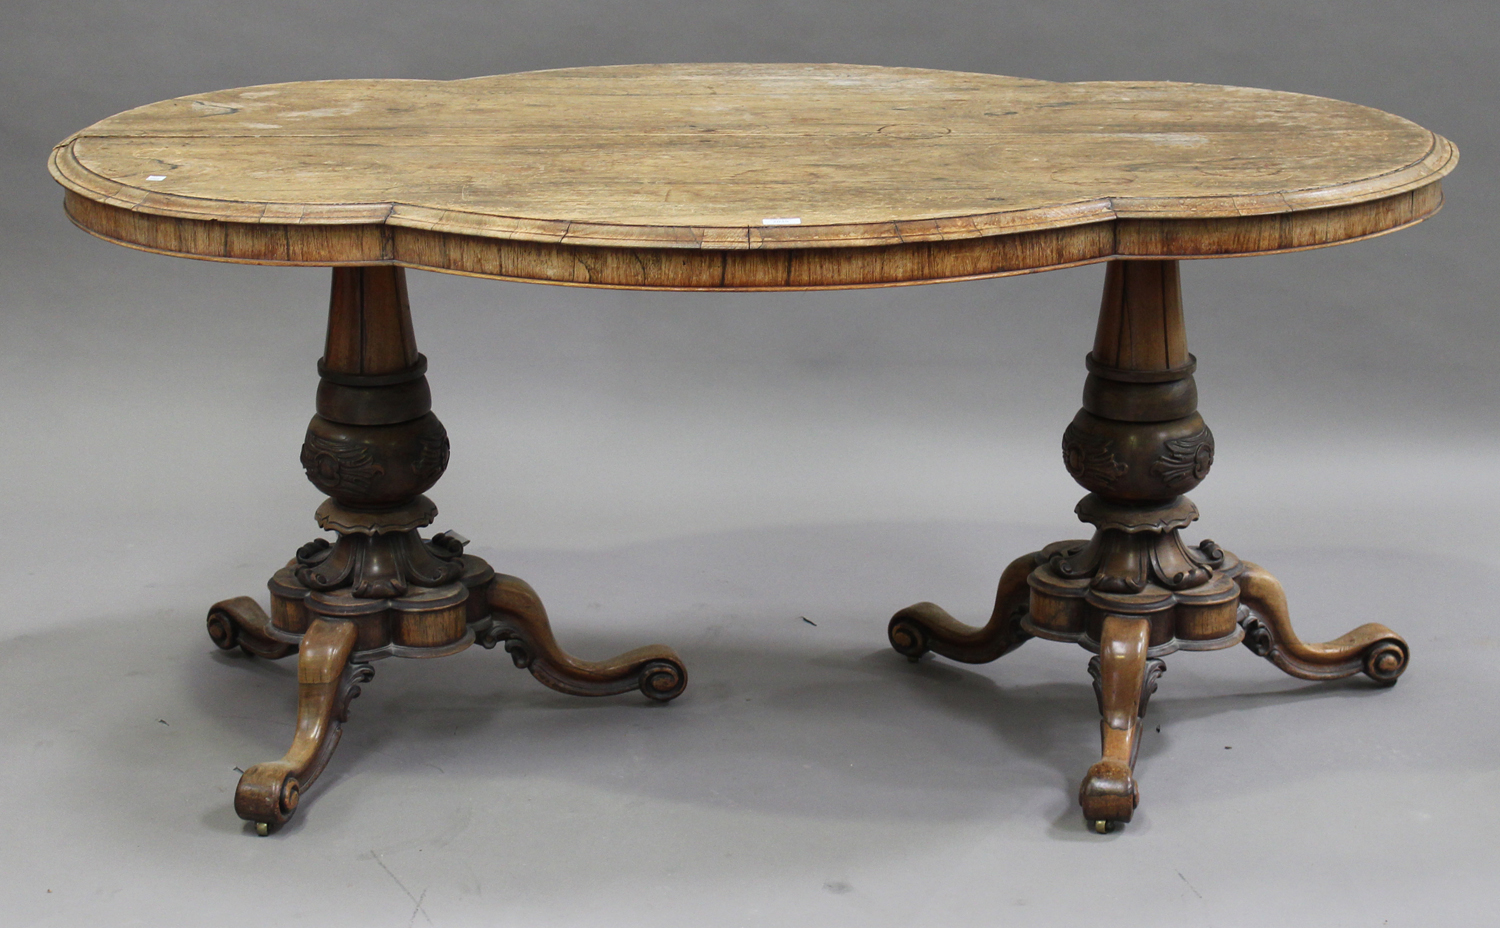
(753, 177)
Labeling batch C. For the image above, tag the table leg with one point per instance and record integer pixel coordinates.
(1124, 679)
(1371, 649)
(518, 619)
(925, 627)
(327, 681)
(1136, 591)
(379, 589)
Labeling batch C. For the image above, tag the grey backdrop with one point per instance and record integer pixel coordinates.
(706, 469)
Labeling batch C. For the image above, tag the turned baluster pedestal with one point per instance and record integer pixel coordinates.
(1136, 592)
(379, 589)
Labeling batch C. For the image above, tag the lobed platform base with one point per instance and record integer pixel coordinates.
(336, 639)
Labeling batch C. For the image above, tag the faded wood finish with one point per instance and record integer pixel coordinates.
(1136, 592)
(664, 176)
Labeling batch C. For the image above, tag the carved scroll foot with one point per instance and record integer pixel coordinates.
(268, 794)
(1123, 682)
(1372, 649)
(518, 619)
(925, 627)
(241, 623)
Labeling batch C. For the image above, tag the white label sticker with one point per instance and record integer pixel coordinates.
(157, 177)
(791, 221)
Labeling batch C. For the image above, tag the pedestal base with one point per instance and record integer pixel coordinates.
(1131, 630)
(336, 635)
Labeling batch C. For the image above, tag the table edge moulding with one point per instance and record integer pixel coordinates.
(754, 177)
(1092, 214)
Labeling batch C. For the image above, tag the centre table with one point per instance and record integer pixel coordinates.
(753, 177)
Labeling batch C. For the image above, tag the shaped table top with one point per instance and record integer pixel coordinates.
(745, 176)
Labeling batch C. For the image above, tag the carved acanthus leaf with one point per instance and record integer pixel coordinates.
(432, 456)
(334, 465)
(1091, 460)
(1187, 460)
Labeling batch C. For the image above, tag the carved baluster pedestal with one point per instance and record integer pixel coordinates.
(1135, 591)
(379, 589)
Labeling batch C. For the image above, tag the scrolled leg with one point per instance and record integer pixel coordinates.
(1123, 683)
(925, 627)
(268, 794)
(1372, 649)
(241, 623)
(518, 619)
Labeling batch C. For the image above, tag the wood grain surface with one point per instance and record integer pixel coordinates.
(743, 176)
